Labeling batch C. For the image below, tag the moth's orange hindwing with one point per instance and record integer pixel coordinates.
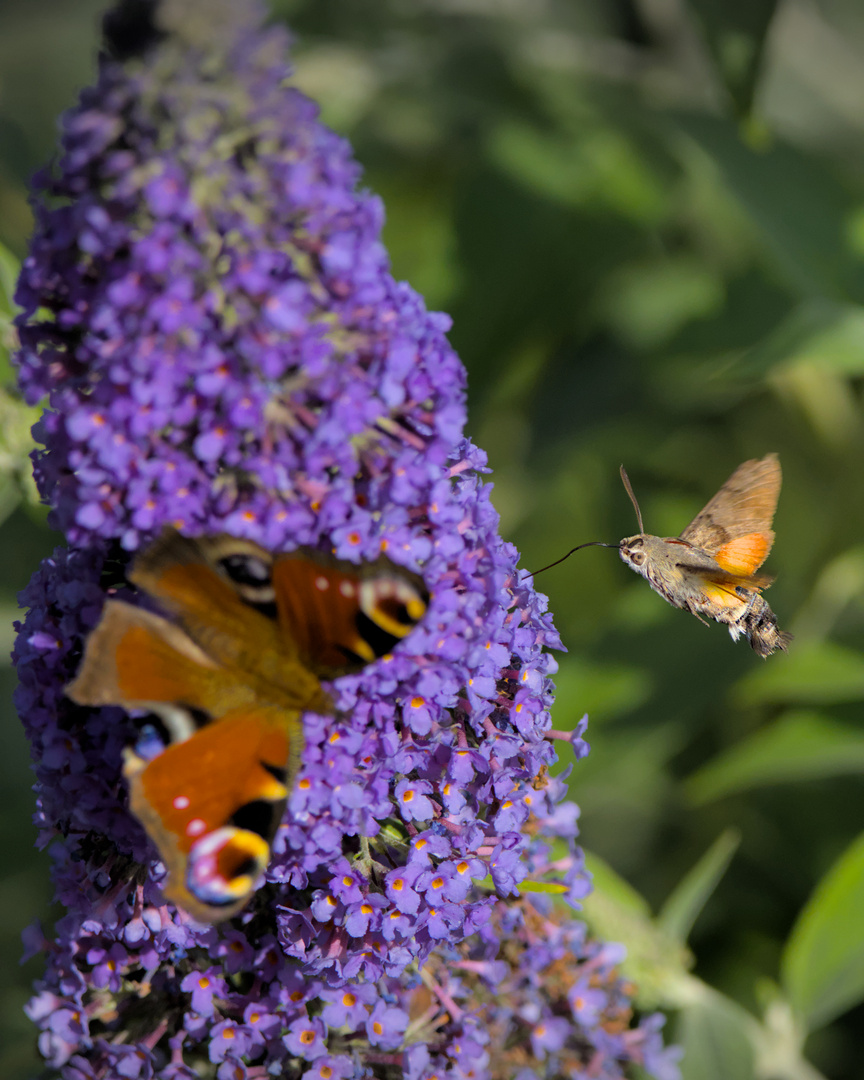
(745, 554)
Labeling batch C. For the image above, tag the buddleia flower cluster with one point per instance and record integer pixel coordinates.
(208, 309)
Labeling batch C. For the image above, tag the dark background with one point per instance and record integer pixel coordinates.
(647, 221)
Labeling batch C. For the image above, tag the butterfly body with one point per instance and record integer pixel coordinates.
(229, 673)
(710, 569)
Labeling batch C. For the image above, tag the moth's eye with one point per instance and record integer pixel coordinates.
(246, 570)
(637, 557)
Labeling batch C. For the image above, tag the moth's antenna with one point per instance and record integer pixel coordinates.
(591, 543)
(626, 480)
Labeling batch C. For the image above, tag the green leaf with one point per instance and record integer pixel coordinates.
(9, 270)
(549, 887)
(800, 745)
(8, 615)
(16, 443)
(823, 963)
(615, 889)
(800, 209)
(811, 674)
(654, 962)
(736, 31)
(815, 329)
(717, 1036)
(553, 888)
(648, 301)
(839, 585)
(584, 685)
(600, 165)
(690, 895)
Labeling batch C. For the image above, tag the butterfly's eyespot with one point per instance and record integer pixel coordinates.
(152, 740)
(259, 817)
(389, 609)
(395, 606)
(225, 865)
(178, 722)
(252, 576)
(279, 774)
(246, 569)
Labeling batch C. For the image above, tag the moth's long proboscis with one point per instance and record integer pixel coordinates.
(591, 543)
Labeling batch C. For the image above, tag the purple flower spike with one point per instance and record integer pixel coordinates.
(209, 311)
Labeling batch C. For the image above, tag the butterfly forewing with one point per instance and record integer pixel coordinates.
(220, 590)
(137, 659)
(342, 617)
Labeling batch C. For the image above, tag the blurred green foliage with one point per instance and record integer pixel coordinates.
(647, 221)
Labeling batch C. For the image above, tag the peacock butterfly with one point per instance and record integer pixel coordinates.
(249, 636)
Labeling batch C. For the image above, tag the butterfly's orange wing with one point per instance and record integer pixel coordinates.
(220, 591)
(342, 617)
(212, 803)
(252, 634)
(213, 798)
(137, 659)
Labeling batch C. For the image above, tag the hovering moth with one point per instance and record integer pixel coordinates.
(236, 658)
(710, 569)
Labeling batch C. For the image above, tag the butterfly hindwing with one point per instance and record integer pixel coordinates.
(212, 804)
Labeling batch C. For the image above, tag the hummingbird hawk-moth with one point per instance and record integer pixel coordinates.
(710, 569)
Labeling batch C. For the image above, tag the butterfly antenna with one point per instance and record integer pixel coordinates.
(591, 543)
(628, 488)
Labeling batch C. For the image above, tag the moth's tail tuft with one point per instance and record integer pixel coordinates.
(760, 626)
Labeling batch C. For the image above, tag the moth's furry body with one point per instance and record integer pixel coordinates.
(710, 569)
(688, 578)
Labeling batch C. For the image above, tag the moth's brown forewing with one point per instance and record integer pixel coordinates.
(735, 526)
